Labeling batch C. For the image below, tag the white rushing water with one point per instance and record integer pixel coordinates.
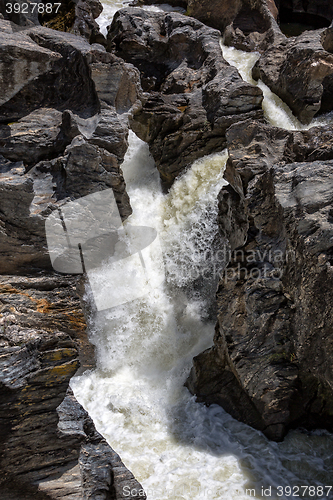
(277, 112)
(177, 448)
(110, 7)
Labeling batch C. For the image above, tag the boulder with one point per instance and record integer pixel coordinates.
(300, 71)
(72, 16)
(62, 82)
(192, 95)
(270, 363)
(84, 169)
(44, 68)
(39, 135)
(63, 134)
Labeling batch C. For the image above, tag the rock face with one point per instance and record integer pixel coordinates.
(49, 445)
(58, 142)
(73, 16)
(192, 94)
(63, 135)
(300, 71)
(270, 364)
(245, 24)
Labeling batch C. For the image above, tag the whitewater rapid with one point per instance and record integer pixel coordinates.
(179, 449)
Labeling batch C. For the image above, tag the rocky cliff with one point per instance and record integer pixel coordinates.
(298, 69)
(49, 445)
(192, 95)
(63, 135)
(270, 365)
(65, 110)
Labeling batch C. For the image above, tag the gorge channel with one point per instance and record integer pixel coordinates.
(177, 448)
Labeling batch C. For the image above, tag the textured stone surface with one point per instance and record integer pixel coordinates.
(300, 71)
(192, 94)
(69, 149)
(63, 135)
(39, 135)
(49, 445)
(270, 364)
(64, 83)
(76, 17)
(117, 83)
(84, 169)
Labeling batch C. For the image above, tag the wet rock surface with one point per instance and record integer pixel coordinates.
(270, 364)
(63, 135)
(300, 71)
(49, 445)
(72, 16)
(192, 95)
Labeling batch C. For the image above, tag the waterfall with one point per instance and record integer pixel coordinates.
(177, 448)
(276, 111)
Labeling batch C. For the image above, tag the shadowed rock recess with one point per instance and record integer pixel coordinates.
(63, 135)
(271, 363)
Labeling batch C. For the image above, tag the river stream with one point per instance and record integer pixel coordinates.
(179, 449)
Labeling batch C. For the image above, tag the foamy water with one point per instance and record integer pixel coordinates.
(179, 449)
(276, 111)
(110, 7)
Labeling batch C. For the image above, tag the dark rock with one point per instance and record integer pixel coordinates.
(245, 24)
(84, 169)
(35, 165)
(72, 16)
(90, 169)
(247, 15)
(23, 17)
(48, 301)
(62, 82)
(270, 363)
(77, 17)
(49, 69)
(327, 39)
(117, 83)
(300, 71)
(193, 95)
(312, 12)
(40, 135)
(59, 141)
(49, 445)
